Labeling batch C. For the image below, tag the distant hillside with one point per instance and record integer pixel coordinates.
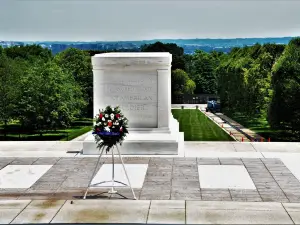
(189, 45)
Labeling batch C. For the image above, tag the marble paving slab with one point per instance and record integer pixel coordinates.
(103, 211)
(9, 209)
(39, 211)
(209, 212)
(136, 174)
(21, 176)
(224, 176)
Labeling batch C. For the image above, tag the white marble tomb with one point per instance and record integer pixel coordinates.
(140, 83)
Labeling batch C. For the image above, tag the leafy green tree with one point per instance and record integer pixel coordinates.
(10, 73)
(202, 72)
(178, 61)
(29, 52)
(244, 79)
(190, 86)
(78, 63)
(181, 83)
(50, 97)
(284, 110)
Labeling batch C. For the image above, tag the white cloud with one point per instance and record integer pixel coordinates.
(133, 20)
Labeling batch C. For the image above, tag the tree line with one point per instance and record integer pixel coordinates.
(42, 91)
(260, 81)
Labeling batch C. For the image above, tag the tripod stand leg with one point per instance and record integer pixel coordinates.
(94, 173)
(125, 172)
(112, 191)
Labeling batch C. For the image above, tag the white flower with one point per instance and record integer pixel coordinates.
(117, 123)
(113, 109)
(106, 115)
(109, 121)
(103, 119)
(113, 126)
(107, 129)
(98, 124)
(112, 116)
(104, 124)
(120, 118)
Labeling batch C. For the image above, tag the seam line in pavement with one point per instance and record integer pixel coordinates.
(255, 148)
(58, 211)
(234, 147)
(171, 191)
(198, 179)
(20, 212)
(185, 211)
(148, 211)
(288, 213)
(141, 191)
(230, 194)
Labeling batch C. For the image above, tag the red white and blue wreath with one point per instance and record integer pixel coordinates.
(110, 128)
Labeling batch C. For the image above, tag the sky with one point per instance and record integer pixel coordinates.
(127, 20)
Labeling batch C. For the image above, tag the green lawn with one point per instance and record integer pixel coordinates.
(260, 126)
(197, 127)
(15, 133)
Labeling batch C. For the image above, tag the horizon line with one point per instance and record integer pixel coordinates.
(160, 39)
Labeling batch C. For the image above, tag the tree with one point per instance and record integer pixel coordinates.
(50, 97)
(181, 83)
(178, 61)
(190, 86)
(29, 52)
(78, 63)
(202, 72)
(10, 73)
(244, 79)
(284, 112)
(163, 47)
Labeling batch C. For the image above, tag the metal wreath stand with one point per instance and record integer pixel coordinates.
(113, 181)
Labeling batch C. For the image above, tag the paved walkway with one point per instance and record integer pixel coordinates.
(228, 128)
(237, 131)
(207, 179)
(190, 149)
(251, 135)
(207, 183)
(146, 211)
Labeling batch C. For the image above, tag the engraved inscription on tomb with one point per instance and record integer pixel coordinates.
(136, 94)
(132, 98)
(129, 89)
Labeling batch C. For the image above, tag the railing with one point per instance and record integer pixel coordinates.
(193, 99)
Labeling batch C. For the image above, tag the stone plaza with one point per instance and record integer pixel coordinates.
(209, 183)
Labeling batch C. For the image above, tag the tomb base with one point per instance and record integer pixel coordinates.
(144, 142)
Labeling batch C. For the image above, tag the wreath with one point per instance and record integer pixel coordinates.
(110, 128)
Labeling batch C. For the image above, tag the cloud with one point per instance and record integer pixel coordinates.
(141, 19)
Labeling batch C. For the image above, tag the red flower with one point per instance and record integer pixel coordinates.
(97, 129)
(118, 116)
(109, 124)
(100, 116)
(121, 129)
